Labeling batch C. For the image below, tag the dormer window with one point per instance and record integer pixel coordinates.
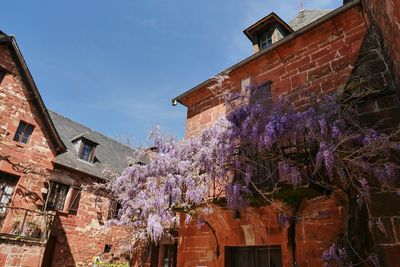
(86, 151)
(267, 31)
(265, 40)
(85, 148)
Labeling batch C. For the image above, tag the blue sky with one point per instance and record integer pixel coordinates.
(114, 66)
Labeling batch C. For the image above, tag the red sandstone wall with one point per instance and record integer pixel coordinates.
(385, 17)
(19, 254)
(81, 237)
(15, 105)
(320, 221)
(319, 61)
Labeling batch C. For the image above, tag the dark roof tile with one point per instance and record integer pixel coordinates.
(109, 153)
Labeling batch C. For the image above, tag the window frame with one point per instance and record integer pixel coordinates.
(56, 203)
(265, 38)
(21, 132)
(7, 179)
(87, 143)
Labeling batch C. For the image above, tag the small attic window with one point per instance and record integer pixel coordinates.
(265, 40)
(86, 151)
(267, 31)
(85, 148)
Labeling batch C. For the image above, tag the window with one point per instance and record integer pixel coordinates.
(113, 210)
(107, 248)
(263, 256)
(164, 255)
(86, 151)
(265, 40)
(169, 255)
(261, 93)
(58, 194)
(85, 147)
(7, 185)
(24, 131)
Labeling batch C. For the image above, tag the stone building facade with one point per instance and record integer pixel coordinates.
(50, 213)
(350, 47)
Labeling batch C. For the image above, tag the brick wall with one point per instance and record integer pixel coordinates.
(380, 52)
(384, 16)
(15, 105)
(77, 238)
(320, 221)
(20, 254)
(320, 60)
(81, 237)
(342, 52)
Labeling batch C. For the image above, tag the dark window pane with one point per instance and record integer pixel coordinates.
(2, 74)
(58, 194)
(86, 151)
(169, 255)
(7, 185)
(265, 40)
(24, 131)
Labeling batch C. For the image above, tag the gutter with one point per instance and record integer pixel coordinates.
(285, 40)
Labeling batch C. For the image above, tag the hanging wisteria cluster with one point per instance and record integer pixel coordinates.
(178, 176)
(323, 145)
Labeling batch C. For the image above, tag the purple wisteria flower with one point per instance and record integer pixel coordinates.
(290, 173)
(325, 155)
(320, 139)
(335, 257)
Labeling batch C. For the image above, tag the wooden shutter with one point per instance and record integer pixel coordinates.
(75, 198)
(92, 153)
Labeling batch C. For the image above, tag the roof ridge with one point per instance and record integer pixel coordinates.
(91, 130)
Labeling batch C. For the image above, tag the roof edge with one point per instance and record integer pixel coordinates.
(60, 148)
(288, 38)
(80, 171)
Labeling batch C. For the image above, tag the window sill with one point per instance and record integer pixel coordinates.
(62, 213)
(19, 144)
(87, 162)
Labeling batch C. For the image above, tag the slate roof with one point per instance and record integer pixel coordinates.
(305, 17)
(108, 154)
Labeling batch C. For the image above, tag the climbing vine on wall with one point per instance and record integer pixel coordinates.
(259, 148)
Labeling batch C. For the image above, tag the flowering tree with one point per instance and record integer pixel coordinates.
(323, 146)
